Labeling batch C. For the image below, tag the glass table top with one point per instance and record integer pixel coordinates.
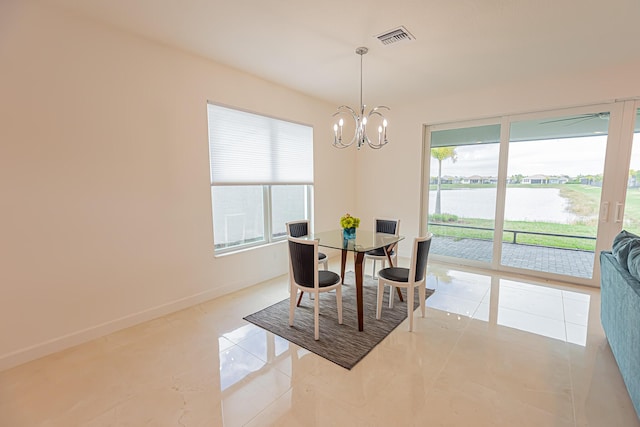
(366, 240)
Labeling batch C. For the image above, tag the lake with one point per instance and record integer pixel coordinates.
(522, 204)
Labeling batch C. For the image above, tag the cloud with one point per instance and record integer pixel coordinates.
(570, 156)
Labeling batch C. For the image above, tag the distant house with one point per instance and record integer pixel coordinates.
(445, 180)
(545, 179)
(558, 179)
(475, 179)
(535, 179)
(490, 180)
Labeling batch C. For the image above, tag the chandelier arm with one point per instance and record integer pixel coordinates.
(337, 142)
(382, 137)
(377, 146)
(375, 110)
(374, 145)
(346, 107)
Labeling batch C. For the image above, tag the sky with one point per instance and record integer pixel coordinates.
(572, 157)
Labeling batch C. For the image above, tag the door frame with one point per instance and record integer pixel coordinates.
(615, 176)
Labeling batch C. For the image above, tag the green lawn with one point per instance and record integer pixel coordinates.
(632, 211)
(520, 226)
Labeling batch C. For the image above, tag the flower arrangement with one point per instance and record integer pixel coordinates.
(348, 221)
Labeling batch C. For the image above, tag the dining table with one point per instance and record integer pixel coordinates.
(364, 241)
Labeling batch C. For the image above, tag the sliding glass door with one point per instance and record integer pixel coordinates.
(629, 217)
(554, 184)
(462, 191)
(540, 193)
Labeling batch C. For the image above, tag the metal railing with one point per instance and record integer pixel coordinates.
(515, 232)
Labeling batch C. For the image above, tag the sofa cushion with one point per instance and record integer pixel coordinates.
(633, 262)
(622, 245)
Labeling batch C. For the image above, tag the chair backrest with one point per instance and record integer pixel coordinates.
(303, 261)
(388, 226)
(421, 246)
(298, 228)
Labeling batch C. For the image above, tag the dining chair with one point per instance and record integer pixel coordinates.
(301, 228)
(305, 276)
(409, 278)
(389, 226)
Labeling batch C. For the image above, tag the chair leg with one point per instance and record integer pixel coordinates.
(316, 316)
(292, 304)
(390, 296)
(423, 296)
(373, 269)
(410, 297)
(380, 295)
(339, 303)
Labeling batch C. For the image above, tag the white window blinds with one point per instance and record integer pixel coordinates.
(249, 149)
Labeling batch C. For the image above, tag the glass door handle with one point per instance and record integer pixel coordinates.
(604, 212)
(619, 210)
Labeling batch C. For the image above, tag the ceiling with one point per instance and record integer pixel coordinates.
(459, 45)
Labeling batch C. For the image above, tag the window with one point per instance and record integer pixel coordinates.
(261, 176)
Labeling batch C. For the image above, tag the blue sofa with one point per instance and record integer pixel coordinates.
(620, 308)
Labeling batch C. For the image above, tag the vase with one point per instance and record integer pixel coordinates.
(349, 233)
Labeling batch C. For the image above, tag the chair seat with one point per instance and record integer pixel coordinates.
(379, 252)
(396, 274)
(326, 278)
(321, 255)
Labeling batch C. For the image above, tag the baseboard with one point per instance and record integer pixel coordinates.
(55, 345)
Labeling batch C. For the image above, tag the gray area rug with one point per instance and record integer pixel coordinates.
(341, 344)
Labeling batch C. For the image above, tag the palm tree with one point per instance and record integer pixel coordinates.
(440, 154)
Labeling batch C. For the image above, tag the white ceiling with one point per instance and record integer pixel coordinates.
(460, 44)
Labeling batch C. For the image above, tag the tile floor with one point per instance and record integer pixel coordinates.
(492, 351)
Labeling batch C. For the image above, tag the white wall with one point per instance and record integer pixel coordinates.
(105, 214)
(397, 194)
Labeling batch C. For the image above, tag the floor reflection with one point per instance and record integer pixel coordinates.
(538, 309)
(246, 350)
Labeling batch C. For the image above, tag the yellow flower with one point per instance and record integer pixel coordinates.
(348, 221)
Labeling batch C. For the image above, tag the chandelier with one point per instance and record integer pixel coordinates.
(361, 121)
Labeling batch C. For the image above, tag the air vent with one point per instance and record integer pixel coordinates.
(400, 34)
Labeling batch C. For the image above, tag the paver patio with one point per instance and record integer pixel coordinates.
(569, 262)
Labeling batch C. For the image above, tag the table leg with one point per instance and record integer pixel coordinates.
(359, 266)
(391, 264)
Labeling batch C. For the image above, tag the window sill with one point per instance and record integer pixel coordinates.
(247, 249)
